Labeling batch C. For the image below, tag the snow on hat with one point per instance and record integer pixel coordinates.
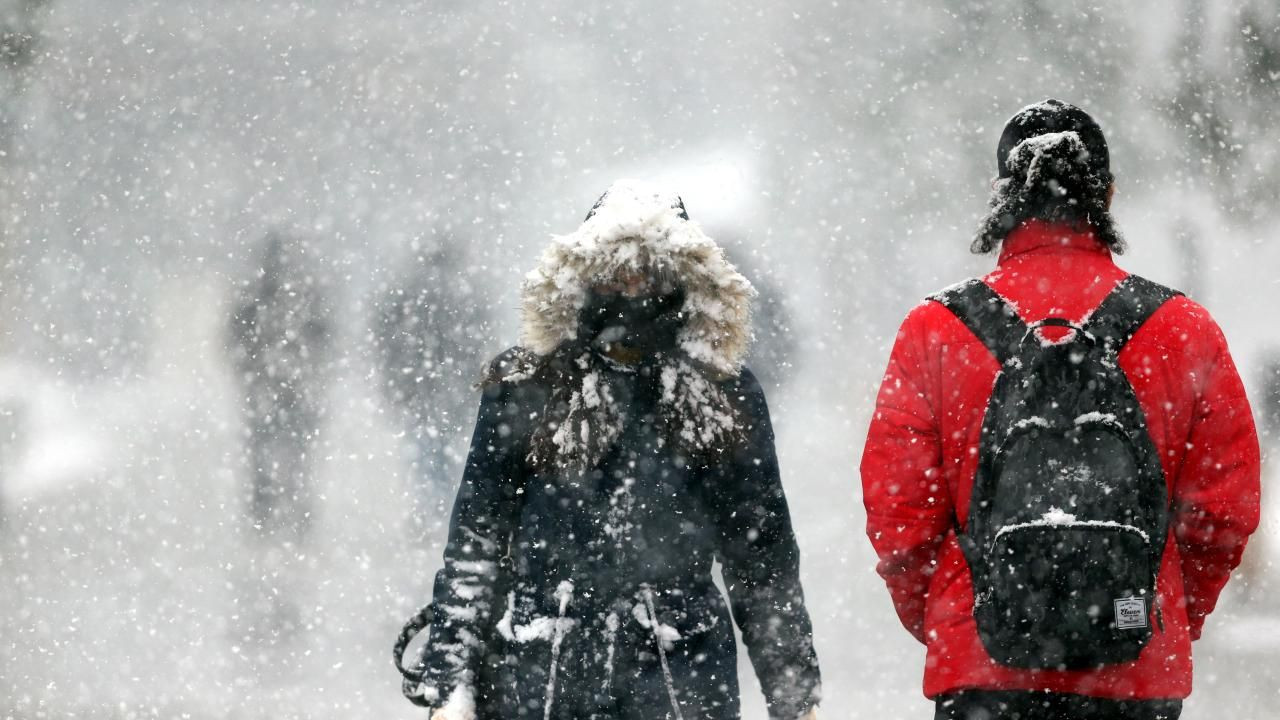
(639, 226)
(1054, 116)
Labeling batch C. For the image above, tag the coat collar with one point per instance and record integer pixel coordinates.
(1038, 237)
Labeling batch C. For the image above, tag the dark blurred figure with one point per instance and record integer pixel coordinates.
(279, 342)
(1257, 570)
(773, 347)
(1269, 409)
(429, 335)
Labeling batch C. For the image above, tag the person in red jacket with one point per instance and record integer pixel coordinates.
(929, 467)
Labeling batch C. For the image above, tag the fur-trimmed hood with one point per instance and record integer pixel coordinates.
(643, 227)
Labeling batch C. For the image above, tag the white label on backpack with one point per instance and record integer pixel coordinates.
(1131, 612)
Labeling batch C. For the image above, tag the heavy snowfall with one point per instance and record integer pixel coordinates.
(205, 206)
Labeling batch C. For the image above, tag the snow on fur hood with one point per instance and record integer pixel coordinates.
(641, 227)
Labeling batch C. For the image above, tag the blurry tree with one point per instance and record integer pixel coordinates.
(1254, 59)
(1222, 103)
(1187, 242)
(1202, 127)
(18, 20)
(1224, 98)
(430, 336)
(1257, 569)
(19, 31)
(1197, 108)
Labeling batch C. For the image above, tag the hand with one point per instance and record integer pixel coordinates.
(452, 713)
(418, 693)
(811, 715)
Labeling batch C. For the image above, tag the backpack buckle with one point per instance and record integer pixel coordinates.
(1067, 333)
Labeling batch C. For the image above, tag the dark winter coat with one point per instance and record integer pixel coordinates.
(922, 453)
(570, 594)
(591, 558)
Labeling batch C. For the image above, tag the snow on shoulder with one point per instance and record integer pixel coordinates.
(642, 227)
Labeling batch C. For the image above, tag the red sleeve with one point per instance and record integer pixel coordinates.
(1216, 494)
(908, 506)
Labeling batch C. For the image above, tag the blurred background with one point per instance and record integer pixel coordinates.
(255, 252)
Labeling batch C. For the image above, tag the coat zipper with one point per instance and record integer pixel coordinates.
(563, 593)
(611, 624)
(662, 652)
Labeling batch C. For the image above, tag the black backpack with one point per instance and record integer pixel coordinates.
(1069, 511)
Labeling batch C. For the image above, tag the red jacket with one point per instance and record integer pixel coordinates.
(922, 453)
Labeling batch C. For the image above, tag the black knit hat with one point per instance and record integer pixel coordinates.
(1053, 116)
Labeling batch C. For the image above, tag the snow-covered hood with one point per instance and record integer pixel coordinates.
(643, 227)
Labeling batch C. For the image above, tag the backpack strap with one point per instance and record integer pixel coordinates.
(987, 315)
(1133, 301)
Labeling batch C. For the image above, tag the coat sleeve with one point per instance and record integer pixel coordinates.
(761, 561)
(464, 600)
(1216, 493)
(909, 511)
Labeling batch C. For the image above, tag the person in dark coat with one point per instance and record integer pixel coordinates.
(427, 331)
(279, 345)
(617, 455)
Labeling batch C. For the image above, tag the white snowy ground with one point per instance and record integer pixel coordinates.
(125, 573)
